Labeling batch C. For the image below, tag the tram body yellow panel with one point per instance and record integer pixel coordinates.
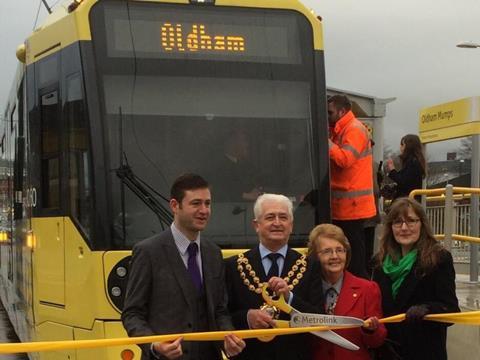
(107, 330)
(25, 326)
(49, 261)
(97, 332)
(49, 331)
(84, 284)
(50, 39)
(64, 28)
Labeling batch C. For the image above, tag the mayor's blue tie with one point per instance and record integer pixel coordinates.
(274, 270)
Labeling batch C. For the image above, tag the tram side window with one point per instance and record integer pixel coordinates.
(4, 206)
(79, 184)
(20, 156)
(50, 151)
(11, 158)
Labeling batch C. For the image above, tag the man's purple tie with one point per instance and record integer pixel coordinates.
(192, 266)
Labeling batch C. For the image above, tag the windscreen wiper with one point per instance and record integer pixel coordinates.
(144, 192)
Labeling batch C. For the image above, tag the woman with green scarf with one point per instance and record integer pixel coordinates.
(416, 276)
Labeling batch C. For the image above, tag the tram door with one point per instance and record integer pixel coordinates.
(48, 222)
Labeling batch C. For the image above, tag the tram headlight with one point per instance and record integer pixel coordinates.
(121, 271)
(116, 291)
(30, 241)
(117, 282)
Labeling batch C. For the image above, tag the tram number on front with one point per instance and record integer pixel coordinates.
(173, 39)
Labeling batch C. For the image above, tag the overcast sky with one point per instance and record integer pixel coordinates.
(403, 49)
(385, 48)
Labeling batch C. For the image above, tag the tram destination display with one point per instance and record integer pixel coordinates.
(183, 32)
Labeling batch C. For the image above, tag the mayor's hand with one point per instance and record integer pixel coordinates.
(259, 319)
(279, 286)
(233, 345)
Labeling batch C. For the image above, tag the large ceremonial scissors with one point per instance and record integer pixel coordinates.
(299, 319)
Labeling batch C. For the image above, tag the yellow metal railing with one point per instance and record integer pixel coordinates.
(458, 237)
(442, 191)
(450, 194)
(440, 194)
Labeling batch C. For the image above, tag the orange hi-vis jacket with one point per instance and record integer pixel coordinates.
(351, 177)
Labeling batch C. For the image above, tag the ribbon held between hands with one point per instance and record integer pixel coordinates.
(465, 318)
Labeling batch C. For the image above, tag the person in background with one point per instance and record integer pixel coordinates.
(345, 294)
(416, 276)
(370, 224)
(176, 282)
(413, 166)
(351, 177)
(234, 178)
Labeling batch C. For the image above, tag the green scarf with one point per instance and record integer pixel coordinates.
(399, 271)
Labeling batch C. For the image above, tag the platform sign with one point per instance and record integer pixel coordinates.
(450, 120)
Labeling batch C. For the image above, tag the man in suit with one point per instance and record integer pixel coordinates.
(176, 282)
(272, 258)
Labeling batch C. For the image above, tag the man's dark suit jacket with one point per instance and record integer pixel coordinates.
(160, 293)
(241, 299)
(428, 339)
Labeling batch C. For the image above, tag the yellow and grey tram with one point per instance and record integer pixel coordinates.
(111, 102)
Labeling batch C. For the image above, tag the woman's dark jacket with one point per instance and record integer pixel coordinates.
(407, 179)
(428, 339)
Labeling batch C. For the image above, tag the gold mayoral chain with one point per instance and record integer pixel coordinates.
(252, 281)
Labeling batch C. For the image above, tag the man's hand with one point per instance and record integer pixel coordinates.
(171, 350)
(259, 319)
(280, 286)
(233, 345)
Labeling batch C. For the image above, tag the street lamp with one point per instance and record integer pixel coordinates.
(468, 45)
(474, 183)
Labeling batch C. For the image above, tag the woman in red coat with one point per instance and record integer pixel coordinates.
(345, 294)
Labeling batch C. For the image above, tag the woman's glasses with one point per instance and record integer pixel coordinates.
(329, 252)
(398, 223)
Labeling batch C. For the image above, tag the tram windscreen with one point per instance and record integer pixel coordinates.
(243, 124)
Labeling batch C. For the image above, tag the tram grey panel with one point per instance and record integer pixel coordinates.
(211, 97)
(229, 221)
